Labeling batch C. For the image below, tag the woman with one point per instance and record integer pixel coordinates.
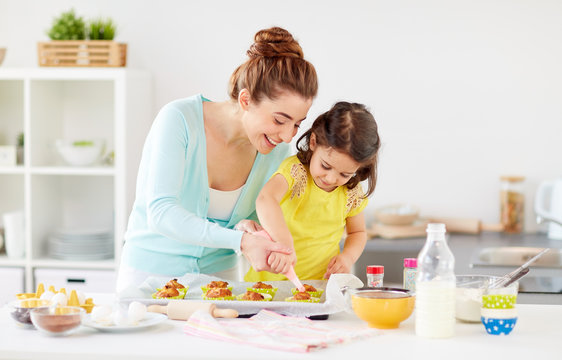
(204, 163)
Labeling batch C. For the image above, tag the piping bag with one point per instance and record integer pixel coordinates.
(291, 275)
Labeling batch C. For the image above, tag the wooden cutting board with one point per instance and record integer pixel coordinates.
(417, 229)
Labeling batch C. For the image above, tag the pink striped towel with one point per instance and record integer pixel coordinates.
(270, 330)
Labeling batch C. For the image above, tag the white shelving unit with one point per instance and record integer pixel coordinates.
(71, 103)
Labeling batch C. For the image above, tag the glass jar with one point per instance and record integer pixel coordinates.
(512, 203)
(410, 271)
(375, 275)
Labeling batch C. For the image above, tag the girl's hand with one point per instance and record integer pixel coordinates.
(257, 249)
(249, 226)
(281, 263)
(339, 264)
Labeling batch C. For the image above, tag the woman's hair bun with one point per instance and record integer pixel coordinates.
(275, 42)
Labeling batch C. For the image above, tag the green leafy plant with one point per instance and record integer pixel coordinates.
(101, 29)
(20, 140)
(68, 27)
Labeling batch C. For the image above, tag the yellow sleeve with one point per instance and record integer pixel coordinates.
(285, 169)
(356, 203)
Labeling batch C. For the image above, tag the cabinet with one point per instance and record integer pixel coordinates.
(71, 103)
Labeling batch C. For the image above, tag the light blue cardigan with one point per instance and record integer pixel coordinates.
(168, 231)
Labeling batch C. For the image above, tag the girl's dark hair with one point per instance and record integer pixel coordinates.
(351, 129)
(275, 64)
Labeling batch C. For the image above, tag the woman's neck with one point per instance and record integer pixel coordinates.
(223, 121)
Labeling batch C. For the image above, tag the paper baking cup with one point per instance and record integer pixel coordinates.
(266, 297)
(205, 289)
(217, 298)
(180, 296)
(318, 293)
(311, 300)
(271, 292)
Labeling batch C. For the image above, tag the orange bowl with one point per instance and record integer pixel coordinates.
(382, 308)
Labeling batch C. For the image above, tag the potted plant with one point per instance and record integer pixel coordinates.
(19, 149)
(75, 42)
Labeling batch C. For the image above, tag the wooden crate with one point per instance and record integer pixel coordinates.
(82, 53)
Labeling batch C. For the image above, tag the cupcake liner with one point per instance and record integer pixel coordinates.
(271, 292)
(205, 289)
(318, 293)
(311, 300)
(180, 296)
(267, 297)
(204, 297)
(499, 301)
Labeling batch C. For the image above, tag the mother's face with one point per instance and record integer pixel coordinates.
(271, 122)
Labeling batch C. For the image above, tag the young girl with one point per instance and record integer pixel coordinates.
(316, 194)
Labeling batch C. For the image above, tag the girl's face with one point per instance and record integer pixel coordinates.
(273, 121)
(330, 168)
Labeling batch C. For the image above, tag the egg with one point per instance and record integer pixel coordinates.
(136, 312)
(47, 295)
(60, 299)
(102, 314)
(119, 317)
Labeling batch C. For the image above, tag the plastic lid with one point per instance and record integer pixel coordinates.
(411, 262)
(436, 227)
(375, 269)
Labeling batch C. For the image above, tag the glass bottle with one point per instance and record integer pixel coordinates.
(512, 203)
(435, 286)
(410, 271)
(375, 275)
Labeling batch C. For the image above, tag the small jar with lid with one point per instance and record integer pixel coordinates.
(410, 271)
(375, 275)
(512, 203)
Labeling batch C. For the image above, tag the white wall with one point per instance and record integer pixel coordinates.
(463, 91)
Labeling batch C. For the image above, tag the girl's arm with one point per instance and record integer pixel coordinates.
(269, 210)
(353, 247)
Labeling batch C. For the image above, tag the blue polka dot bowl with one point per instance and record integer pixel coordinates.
(498, 321)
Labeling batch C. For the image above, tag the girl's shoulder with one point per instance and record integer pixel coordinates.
(355, 198)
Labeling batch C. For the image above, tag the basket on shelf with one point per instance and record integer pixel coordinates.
(105, 53)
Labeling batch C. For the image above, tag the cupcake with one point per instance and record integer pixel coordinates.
(254, 296)
(314, 292)
(218, 294)
(263, 288)
(303, 297)
(172, 290)
(216, 285)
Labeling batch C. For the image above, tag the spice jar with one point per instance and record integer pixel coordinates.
(375, 274)
(512, 201)
(410, 271)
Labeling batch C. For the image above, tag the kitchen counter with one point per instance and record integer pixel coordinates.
(391, 252)
(536, 335)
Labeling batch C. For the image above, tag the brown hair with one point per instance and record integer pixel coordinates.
(349, 128)
(275, 64)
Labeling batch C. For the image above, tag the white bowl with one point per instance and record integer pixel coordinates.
(80, 152)
(399, 214)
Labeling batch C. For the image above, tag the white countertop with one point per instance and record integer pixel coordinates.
(537, 335)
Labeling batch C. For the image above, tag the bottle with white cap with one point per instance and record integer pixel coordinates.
(435, 286)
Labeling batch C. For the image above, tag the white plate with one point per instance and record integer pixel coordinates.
(150, 319)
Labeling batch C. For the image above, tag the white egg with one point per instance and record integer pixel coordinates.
(137, 311)
(119, 318)
(102, 314)
(47, 295)
(59, 298)
(81, 297)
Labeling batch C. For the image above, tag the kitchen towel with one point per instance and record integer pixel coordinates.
(270, 330)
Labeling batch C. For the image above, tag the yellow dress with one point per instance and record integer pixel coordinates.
(316, 219)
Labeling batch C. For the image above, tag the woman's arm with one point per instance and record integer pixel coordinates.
(353, 247)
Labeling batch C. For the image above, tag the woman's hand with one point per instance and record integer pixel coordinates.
(257, 250)
(339, 264)
(248, 226)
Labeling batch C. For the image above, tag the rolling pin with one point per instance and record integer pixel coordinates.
(466, 226)
(182, 309)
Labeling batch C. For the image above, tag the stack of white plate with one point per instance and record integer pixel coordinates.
(81, 244)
